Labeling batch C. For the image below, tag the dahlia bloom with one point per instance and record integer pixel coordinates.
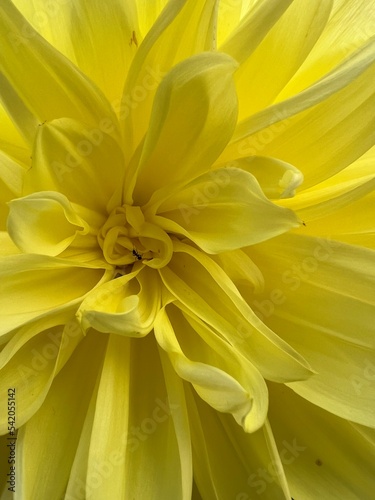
(187, 249)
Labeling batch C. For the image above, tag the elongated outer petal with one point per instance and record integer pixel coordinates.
(23, 119)
(219, 379)
(195, 109)
(11, 138)
(254, 27)
(100, 35)
(227, 459)
(51, 20)
(154, 415)
(81, 162)
(144, 426)
(148, 11)
(11, 174)
(201, 285)
(320, 141)
(228, 18)
(350, 26)
(324, 308)
(55, 87)
(241, 270)
(192, 27)
(266, 71)
(44, 223)
(224, 210)
(106, 440)
(152, 425)
(126, 306)
(253, 134)
(55, 429)
(31, 360)
(337, 192)
(177, 401)
(324, 456)
(34, 286)
(354, 230)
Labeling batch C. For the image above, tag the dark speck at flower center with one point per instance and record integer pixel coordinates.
(126, 238)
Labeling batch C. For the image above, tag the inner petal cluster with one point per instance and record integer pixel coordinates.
(126, 237)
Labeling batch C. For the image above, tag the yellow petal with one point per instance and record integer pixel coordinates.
(191, 25)
(230, 15)
(44, 223)
(217, 372)
(232, 197)
(76, 486)
(177, 401)
(254, 27)
(11, 177)
(350, 26)
(102, 38)
(201, 286)
(106, 452)
(228, 460)
(195, 109)
(11, 173)
(51, 20)
(23, 119)
(323, 456)
(30, 361)
(61, 417)
(11, 138)
(55, 87)
(339, 191)
(325, 310)
(70, 157)
(265, 72)
(29, 288)
(149, 432)
(126, 306)
(7, 247)
(277, 178)
(148, 12)
(143, 427)
(241, 270)
(255, 134)
(357, 223)
(320, 141)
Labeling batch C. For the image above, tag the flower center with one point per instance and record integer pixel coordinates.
(126, 237)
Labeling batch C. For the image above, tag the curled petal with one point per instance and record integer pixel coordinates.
(223, 378)
(202, 287)
(44, 223)
(195, 109)
(126, 305)
(224, 210)
(35, 286)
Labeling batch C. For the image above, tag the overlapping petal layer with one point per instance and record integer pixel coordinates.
(195, 109)
(228, 195)
(338, 341)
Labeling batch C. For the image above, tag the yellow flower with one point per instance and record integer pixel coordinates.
(187, 249)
